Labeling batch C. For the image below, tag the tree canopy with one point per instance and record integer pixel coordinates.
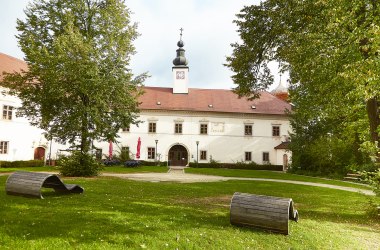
(331, 50)
(78, 86)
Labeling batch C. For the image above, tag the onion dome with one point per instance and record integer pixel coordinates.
(281, 91)
(180, 60)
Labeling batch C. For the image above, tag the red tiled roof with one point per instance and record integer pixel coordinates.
(11, 64)
(196, 100)
(221, 100)
(283, 145)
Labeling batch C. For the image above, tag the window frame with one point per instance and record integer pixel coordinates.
(247, 156)
(152, 127)
(203, 155)
(248, 128)
(266, 157)
(276, 130)
(8, 112)
(151, 153)
(178, 128)
(4, 147)
(203, 129)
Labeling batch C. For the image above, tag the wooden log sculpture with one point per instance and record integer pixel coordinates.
(263, 212)
(30, 183)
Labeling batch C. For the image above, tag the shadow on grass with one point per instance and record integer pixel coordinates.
(119, 211)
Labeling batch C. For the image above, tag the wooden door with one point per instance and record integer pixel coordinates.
(178, 156)
(39, 153)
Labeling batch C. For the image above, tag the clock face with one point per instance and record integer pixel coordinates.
(180, 75)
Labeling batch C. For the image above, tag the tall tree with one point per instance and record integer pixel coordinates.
(331, 49)
(78, 86)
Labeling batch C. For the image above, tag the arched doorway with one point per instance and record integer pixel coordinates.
(178, 156)
(39, 153)
(285, 162)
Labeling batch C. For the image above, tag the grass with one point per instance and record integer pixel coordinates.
(271, 175)
(35, 169)
(141, 169)
(113, 169)
(121, 214)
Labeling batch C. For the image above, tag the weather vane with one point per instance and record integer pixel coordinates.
(181, 29)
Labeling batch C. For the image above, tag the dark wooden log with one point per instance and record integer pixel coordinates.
(30, 183)
(263, 212)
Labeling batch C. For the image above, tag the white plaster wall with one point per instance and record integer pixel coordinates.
(22, 137)
(228, 145)
(180, 86)
(225, 141)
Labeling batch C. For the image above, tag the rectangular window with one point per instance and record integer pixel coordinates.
(248, 130)
(98, 154)
(275, 130)
(4, 145)
(203, 129)
(265, 157)
(248, 156)
(152, 127)
(7, 112)
(151, 153)
(178, 128)
(126, 129)
(203, 155)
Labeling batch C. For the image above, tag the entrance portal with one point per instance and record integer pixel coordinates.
(39, 153)
(178, 156)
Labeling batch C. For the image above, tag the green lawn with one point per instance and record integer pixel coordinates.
(121, 214)
(112, 169)
(271, 175)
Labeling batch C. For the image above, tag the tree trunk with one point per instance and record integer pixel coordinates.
(374, 122)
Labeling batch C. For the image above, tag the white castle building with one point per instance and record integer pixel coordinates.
(179, 124)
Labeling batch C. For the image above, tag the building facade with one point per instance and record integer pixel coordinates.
(178, 124)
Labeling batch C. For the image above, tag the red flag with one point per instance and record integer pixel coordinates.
(110, 149)
(138, 148)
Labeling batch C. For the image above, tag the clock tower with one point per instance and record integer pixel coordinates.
(180, 70)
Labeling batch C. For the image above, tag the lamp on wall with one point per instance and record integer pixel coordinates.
(156, 150)
(197, 142)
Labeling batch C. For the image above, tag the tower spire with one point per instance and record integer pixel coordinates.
(180, 59)
(180, 69)
(180, 35)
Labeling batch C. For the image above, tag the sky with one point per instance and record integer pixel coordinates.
(208, 32)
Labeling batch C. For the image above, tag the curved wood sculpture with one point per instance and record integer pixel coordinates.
(264, 212)
(30, 183)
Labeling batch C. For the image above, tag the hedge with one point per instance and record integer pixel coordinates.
(21, 164)
(250, 166)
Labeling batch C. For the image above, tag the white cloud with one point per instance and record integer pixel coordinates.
(208, 33)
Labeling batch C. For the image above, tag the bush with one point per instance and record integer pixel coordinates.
(79, 164)
(237, 165)
(373, 179)
(21, 164)
(154, 163)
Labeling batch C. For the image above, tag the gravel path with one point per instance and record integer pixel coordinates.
(178, 175)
